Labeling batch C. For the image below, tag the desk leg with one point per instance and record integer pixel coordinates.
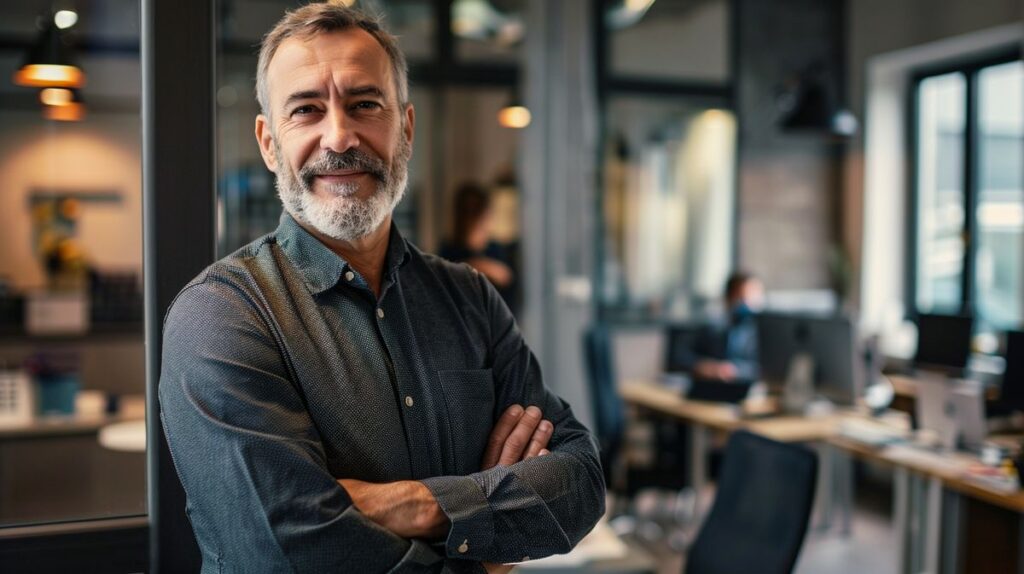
(933, 525)
(698, 467)
(952, 526)
(901, 517)
(846, 490)
(1020, 544)
(825, 494)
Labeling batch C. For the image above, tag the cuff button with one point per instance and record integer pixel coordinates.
(464, 547)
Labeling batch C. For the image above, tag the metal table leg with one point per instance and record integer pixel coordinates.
(933, 525)
(952, 526)
(901, 517)
(698, 467)
(825, 493)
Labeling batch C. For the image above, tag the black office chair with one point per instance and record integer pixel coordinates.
(609, 411)
(761, 509)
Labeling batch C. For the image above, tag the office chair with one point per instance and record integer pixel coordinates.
(761, 509)
(609, 411)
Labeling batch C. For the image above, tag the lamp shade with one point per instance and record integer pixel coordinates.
(808, 109)
(50, 63)
(62, 104)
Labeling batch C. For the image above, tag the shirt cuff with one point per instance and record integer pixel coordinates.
(466, 507)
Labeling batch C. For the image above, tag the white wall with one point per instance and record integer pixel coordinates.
(875, 28)
(100, 154)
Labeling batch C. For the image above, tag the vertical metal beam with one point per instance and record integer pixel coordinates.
(179, 227)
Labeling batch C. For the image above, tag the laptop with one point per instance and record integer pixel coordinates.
(717, 391)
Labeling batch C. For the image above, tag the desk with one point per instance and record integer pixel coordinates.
(704, 416)
(927, 503)
(923, 486)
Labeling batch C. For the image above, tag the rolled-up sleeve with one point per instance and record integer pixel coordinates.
(260, 496)
(533, 508)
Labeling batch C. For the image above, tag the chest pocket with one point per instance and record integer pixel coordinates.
(469, 396)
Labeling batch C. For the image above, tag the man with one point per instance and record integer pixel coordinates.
(727, 351)
(336, 400)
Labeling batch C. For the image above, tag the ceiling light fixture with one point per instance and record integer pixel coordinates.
(50, 62)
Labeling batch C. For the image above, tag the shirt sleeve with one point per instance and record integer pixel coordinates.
(533, 508)
(260, 497)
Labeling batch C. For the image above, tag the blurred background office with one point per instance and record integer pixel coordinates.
(860, 161)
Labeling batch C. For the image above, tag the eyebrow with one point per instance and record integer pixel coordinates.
(370, 90)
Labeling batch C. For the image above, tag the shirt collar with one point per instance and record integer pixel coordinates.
(321, 268)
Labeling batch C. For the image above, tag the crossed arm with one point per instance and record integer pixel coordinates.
(408, 508)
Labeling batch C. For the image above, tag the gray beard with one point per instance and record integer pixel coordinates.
(344, 217)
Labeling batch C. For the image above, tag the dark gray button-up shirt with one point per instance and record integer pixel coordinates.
(282, 372)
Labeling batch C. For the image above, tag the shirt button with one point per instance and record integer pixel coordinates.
(408, 401)
(525, 559)
(349, 276)
(380, 313)
(464, 547)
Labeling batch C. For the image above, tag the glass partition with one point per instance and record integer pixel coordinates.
(668, 207)
(72, 372)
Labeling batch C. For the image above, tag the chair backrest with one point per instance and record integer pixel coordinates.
(609, 412)
(761, 509)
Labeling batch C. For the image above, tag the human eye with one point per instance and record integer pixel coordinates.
(303, 110)
(367, 105)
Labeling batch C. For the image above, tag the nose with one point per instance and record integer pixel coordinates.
(338, 134)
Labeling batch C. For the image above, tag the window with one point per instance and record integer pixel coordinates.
(969, 192)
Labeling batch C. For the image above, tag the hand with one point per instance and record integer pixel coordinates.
(495, 271)
(518, 435)
(721, 370)
(406, 508)
(493, 568)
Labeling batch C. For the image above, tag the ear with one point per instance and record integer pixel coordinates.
(265, 139)
(410, 124)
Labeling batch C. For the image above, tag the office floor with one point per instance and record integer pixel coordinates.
(869, 548)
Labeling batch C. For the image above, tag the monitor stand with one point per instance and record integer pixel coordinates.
(798, 391)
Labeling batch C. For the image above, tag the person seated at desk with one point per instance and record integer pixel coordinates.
(727, 350)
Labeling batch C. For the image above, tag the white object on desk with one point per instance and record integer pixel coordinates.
(129, 436)
(57, 313)
(601, 544)
(17, 402)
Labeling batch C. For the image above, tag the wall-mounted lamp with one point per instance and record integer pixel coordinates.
(50, 61)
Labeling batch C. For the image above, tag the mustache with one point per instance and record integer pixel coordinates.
(351, 159)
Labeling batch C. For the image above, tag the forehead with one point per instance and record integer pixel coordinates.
(341, 58)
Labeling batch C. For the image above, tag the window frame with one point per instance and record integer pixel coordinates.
(970, 67)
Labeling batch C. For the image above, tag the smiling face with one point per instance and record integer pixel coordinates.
(337, 136)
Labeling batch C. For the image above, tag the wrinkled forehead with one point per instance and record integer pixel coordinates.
(329, 60)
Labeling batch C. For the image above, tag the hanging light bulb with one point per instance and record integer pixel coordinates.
(514, 116)
(50, 62)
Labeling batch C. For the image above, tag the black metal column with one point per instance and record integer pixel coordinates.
(179, 225)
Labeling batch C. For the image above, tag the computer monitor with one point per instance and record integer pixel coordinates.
(829, 341)
(1012, 393)
(954, 410)
(679, 350)
(943, 343)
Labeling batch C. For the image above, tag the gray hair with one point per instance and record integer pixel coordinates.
(328, 16)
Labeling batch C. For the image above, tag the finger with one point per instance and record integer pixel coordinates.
(516, 443)
(544, 452)
(499, 434)
(540, 439)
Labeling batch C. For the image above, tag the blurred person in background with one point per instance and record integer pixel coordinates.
(472, 242)
(726, 350)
